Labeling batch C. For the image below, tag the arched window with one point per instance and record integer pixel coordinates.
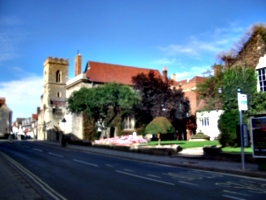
(58, 76)
(59, 94)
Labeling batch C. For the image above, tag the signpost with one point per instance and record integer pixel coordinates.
(242, 105)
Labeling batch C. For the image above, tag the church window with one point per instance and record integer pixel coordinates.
(58, 76)
(128, 122)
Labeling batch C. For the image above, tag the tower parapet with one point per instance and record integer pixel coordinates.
(56, 61)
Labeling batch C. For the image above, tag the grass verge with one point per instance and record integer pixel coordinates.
(186, 144)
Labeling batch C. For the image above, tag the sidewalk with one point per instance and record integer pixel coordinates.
(12, 184)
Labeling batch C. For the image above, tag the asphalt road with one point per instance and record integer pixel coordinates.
(60, 173)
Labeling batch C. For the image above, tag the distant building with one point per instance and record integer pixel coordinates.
(57, 88)
(5, 118)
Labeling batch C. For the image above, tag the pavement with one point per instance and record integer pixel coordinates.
(14, 186)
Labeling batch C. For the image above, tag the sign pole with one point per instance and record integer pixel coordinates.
(242, 105)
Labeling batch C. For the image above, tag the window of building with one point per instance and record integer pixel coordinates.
(58, 76)
(262, 79)
(128, 122)
(204, 121)
(59, 94)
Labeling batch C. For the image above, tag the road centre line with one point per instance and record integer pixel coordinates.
(129, 170)
(172, 175)
(150, 179)
(187, 183)
(80, 161)
(57, 155)
(37, 149)
(238, 193)
(151, 175)
(231, 197)
(36, 179)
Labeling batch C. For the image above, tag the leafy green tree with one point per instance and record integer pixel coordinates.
(234, 78)
(229, 80)
(208, 89)
(107, 101)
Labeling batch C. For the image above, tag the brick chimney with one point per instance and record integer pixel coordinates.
(78, 64)
(216, 69)
(2, 101)
(164, 74)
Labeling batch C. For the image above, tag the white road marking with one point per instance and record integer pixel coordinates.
(57, 155)
(37, 150)
(163, 182)
(80, 161)
(129, 170)
(187, 183)
(36, 179)
(153, 176)
(231, 197)
(109, 165)
(238, 193)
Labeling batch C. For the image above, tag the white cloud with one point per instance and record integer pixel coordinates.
(211, 42)
(23, 96)
(165, 61)
(194, 71)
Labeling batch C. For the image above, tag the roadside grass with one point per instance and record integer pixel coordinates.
(247, 150)
(186, 144)
(194, 144)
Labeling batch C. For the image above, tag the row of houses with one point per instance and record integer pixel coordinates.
(52, 118)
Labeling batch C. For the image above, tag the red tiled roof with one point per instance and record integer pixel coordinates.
(106, 73)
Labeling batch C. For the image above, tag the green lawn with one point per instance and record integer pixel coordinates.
(186, 144)
(247, 150)
(192, 144)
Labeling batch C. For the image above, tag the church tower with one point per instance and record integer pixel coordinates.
(53, 100)
(55, 78)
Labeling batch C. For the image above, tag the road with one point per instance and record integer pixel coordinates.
(62, 173)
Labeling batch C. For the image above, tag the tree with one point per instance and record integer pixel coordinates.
(208, 89)
(107, 101)
(229, 81)
(158, 99)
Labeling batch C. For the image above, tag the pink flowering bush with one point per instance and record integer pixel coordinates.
(126, 140)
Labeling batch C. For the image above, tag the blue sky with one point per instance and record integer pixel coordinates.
(184, 36)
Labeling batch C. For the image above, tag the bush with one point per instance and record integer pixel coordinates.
(200, 135)
(159, 125)
(227, 126)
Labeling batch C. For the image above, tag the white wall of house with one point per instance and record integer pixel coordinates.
(207, 123)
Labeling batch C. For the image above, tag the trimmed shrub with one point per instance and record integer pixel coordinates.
(227, 126)
(200, 136)
(159, 125)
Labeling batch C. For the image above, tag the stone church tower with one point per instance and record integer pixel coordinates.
(53, 100)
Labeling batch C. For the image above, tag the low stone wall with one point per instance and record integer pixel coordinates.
(156, 150)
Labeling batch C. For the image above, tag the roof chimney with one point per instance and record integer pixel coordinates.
(174, 77)
(2, 101)
(78, 64)
(164, 73)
